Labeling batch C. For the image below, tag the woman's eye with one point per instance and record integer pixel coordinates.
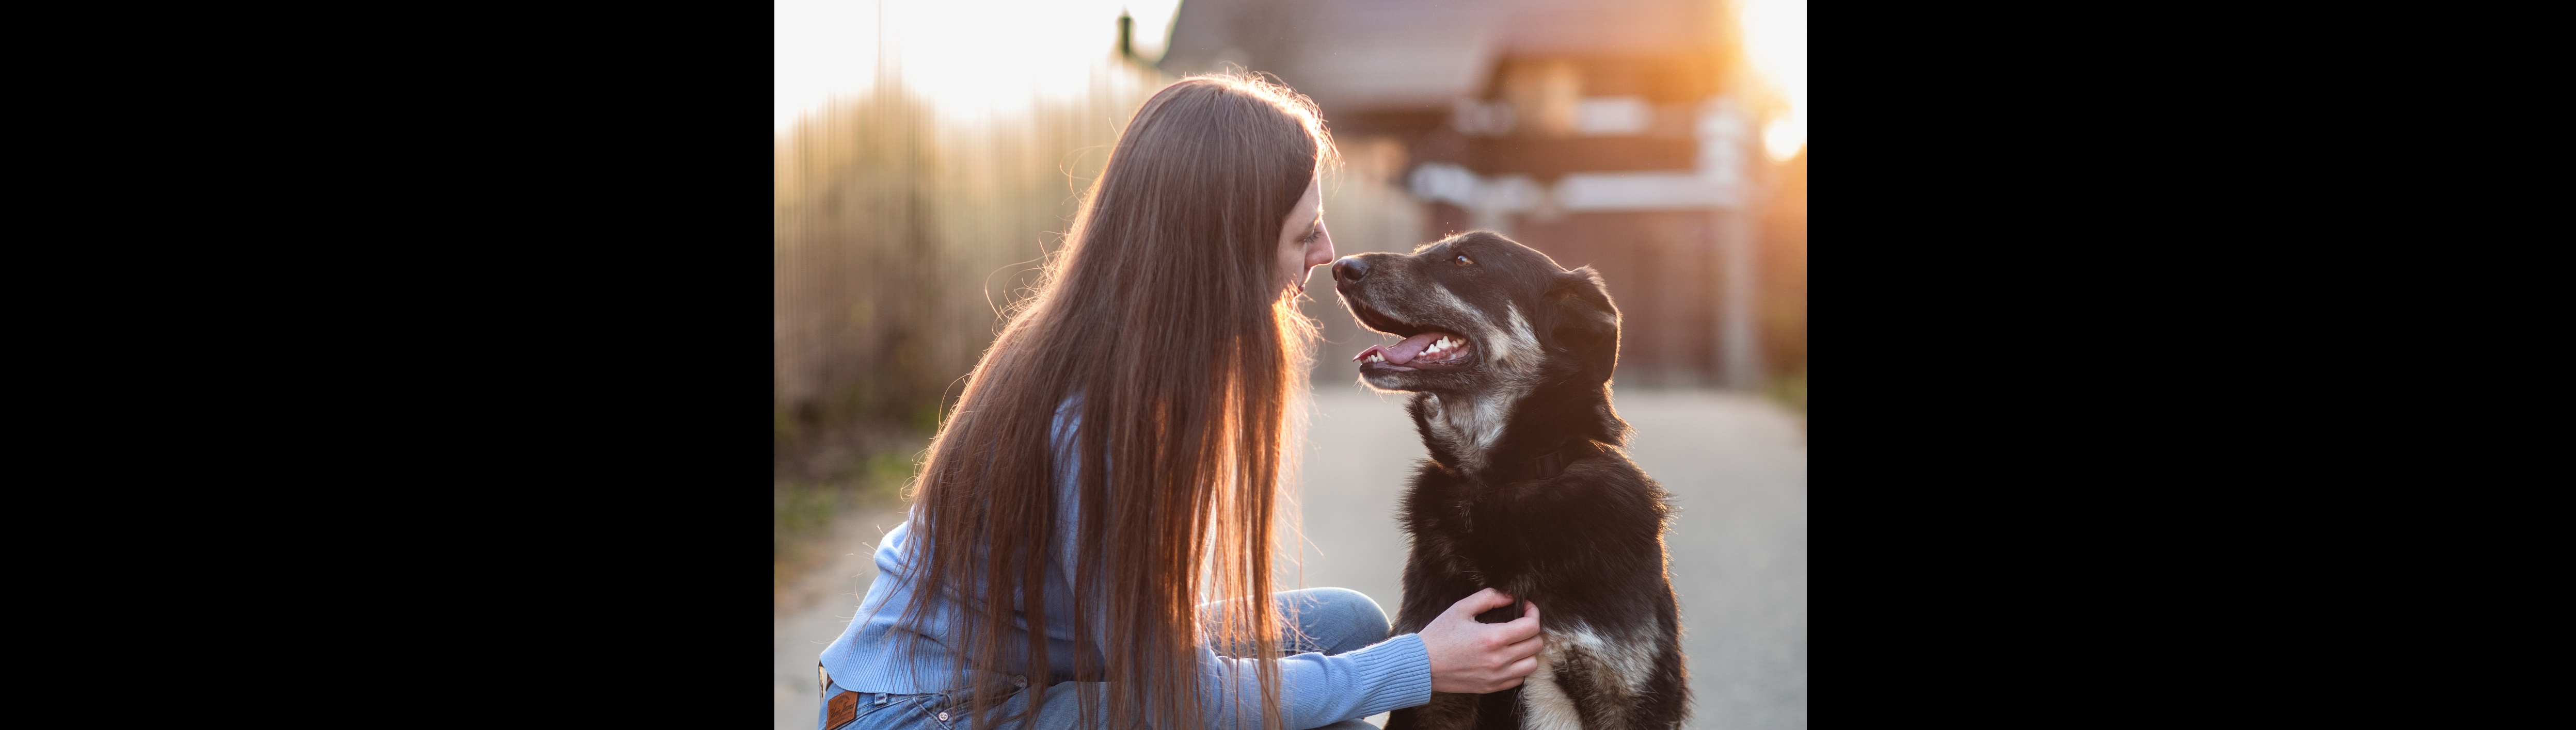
(1463, 261)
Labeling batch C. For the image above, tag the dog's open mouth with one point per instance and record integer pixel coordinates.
(1430, 350)
(1423, 348)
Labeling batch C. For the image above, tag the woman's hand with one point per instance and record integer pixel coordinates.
(1474, 658)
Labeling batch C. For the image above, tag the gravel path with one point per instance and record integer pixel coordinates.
(810, 616)
(1737, 468)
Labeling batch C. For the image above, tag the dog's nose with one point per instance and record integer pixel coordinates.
(1350, 268)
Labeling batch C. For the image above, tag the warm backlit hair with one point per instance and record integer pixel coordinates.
(1163, 312)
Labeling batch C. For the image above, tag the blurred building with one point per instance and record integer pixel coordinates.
(1611, 133)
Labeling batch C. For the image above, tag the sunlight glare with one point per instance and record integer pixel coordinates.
(1775, 36)
(972, 58)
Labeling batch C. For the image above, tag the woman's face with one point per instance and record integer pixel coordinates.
(1303, 242)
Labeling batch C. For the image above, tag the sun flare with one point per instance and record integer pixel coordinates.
(970, 58)
(1775, 37)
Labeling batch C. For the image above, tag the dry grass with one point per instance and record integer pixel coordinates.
(897, 238)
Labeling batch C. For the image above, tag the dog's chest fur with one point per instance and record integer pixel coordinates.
(1583, 532)
(1585, 545)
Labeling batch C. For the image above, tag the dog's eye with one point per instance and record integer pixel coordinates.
(1463, 260)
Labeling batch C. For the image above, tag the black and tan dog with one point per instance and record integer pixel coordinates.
(1527, 489)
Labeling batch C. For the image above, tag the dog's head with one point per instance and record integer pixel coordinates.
(1477, 310)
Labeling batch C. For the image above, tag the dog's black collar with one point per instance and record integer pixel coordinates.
(1552, 463)
(1546, 466)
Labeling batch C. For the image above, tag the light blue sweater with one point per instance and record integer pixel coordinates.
(1315, 690)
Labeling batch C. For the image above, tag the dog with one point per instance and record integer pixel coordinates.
(1528, 489)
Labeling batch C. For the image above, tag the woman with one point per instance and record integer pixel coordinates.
(1163, 340)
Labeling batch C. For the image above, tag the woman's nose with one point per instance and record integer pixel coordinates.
(1350, 268)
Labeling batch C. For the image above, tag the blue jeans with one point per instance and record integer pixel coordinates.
(1329, 620)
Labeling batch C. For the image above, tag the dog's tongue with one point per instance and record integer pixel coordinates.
(1404, 352)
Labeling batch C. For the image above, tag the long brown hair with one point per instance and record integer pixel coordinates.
(1163, 314)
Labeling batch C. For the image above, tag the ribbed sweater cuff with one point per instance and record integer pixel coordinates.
(1396, 673)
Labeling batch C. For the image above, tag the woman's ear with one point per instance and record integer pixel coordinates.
(1586, 323)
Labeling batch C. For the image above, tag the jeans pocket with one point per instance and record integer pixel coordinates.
(895, 712)
(949, 712)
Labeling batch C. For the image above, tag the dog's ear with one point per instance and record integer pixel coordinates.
(1584, 322)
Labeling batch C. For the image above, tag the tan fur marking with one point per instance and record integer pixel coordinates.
(1627, 662)
(1511, 356)
(1544, 702)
